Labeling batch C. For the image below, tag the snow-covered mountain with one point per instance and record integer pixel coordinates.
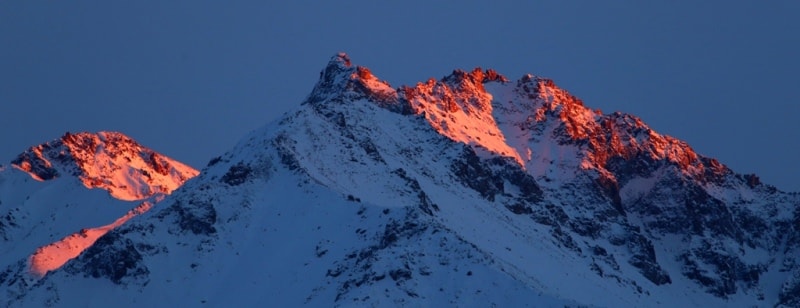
(107, 160)
(472, 190)
(50, 208)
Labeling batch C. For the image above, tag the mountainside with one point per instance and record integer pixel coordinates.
(107, 160)
(49, 211)
(469, 190)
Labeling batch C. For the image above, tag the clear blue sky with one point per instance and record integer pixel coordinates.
(189, 78)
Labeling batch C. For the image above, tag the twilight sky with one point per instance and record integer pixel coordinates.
(189, 78)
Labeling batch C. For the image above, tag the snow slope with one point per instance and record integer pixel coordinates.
(471, 190)
(50, 210)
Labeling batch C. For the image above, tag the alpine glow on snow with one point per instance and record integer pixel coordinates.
(471, 190)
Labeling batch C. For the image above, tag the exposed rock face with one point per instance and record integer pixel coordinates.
(50, 217)
(106, 160)
(621, 170)
(405, 196)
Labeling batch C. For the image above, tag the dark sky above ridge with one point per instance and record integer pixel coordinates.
(189, 78)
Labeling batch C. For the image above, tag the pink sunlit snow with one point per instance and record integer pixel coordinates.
(54, 255)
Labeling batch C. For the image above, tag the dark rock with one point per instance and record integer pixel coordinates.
(470, 171)
(214, 161)
(400, 274)
(519, 208)
(487, 178)
(565, 240)
(644, 258)
(159, 164)
(197, 217)
(36, 165)
(372, 151)
(424, 202)
(752, 180)
(112, 257)
(586, 227)
(237, 174)
(609, 188)
(599, 251)
(285, 148)
(789, 295)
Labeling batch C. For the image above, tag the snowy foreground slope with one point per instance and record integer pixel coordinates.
(471, 190)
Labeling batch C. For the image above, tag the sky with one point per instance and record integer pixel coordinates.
(190, 78)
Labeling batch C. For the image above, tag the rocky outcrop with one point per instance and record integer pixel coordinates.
(106, 160)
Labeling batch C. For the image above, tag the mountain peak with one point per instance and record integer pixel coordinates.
(483, 109)
(457, 183)
(341, 59)
(342, 81)
(108, 160)
(475, 77)
(338, 70)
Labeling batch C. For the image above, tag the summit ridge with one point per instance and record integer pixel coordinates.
(471, 189)
(108, 160)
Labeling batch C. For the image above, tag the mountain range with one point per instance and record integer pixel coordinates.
(469, 190)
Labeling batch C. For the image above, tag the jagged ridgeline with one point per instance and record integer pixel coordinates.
(472, 189)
